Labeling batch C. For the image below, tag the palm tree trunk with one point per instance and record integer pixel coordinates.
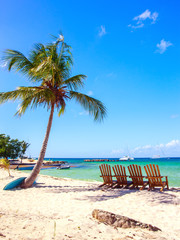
(30, 180)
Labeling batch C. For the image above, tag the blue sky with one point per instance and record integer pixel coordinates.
(130, 51)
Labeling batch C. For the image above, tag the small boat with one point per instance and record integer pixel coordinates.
(22, 166)
(30, 166)
(126, 158)
(63, 166)
(156, 157)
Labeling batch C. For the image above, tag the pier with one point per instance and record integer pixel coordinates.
(102, 160)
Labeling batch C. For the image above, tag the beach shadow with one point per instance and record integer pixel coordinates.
(66, 189)
(108, 195)
(175, 189)
(103, 194)
(166, 197)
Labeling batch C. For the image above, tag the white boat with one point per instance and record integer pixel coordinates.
(126, 158)
(156, 156)
(63, 166)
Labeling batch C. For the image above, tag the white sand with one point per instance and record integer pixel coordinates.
(61, 209)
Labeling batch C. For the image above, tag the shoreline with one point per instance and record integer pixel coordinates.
(90, 171)
(91, 180)
(95, 181)
(61, 208)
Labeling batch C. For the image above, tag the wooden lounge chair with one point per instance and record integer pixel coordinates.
(106, 175)
(155, 178)
(120, 174)
(137, 177)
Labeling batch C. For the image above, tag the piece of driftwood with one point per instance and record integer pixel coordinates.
(120, 221)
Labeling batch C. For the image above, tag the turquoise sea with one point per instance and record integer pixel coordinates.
(89, 171)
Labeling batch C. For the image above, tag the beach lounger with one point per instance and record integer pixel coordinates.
(120, 174)
(155, 178)
(106, 175)
(137, 177)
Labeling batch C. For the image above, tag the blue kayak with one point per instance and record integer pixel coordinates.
(14, 184)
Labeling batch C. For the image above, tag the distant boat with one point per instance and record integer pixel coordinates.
(30, 166)
(155, 156)
(63, 166)
(126, 158)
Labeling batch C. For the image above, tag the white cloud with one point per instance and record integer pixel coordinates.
(163, 45)
(140, 19)
(154, 17)
(116, 151)
(111, 75)
(84, 113)
(147, 147)
(174, 116)
(102, 31)
(173, 143)
(143, 16)
(136, 26)
(140, 148)
(3, 64)
(90, 93)
(171, 148)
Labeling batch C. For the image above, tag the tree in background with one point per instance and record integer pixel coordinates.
(24, 146)
(49, 67)
(11, 148)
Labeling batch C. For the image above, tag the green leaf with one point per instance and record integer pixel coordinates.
(92, 105)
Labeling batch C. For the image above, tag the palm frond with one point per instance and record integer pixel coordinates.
(30, 96)
(37, 53)
(61, 111)
(12, 95)
(48, 62)
(92, 105)
(33, 97)
(75, 82)
(4, 163)
(51, 66)
(17, 61)
(39, 48)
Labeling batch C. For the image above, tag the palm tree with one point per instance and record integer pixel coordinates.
(49, 66)
(4, 163)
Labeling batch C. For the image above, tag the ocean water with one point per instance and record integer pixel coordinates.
(89, 171)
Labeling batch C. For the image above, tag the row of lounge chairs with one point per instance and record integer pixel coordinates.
(153, 178)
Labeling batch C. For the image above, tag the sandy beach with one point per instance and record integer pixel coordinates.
(62, 209)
